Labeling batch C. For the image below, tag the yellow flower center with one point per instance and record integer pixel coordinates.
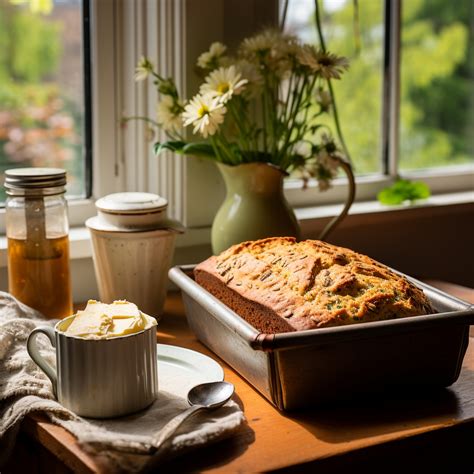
(223, 87)
(203, 111)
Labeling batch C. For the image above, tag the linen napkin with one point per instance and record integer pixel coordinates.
(24, 389)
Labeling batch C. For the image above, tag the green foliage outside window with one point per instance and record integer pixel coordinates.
(437, 89)
(39, 125)
(436, 103)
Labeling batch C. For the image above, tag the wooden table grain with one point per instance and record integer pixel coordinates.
(409, 431)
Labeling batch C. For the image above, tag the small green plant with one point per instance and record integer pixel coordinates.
(402, 191)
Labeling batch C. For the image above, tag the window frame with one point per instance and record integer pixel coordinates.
(172, 34)
(98, 86)
(441, 180)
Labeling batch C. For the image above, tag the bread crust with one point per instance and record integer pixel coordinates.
(280, 285)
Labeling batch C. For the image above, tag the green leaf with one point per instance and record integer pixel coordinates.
(199, 149)
(174, 146)
(404, 190)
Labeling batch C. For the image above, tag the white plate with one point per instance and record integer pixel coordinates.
(180, 369)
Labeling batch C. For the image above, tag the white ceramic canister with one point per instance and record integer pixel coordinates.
(133, 244)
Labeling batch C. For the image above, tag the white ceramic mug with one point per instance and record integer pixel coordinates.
(100, 378)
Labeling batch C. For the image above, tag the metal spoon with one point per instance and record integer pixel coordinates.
(204, 396)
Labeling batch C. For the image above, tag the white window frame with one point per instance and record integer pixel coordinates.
(204, 186)
(445, 180)
(173, 34)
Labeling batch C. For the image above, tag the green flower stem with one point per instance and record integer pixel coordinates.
(225, 147)
(304, 100)
(251, 127)
(336, 121)
(287, 116)
(294, 113)
(308, 101)
(264, 118)
(288, 93)
(294, 97)
(215, 148)
(175, 136)
(155, 74)
(318, 26)
(283, 17)
(240, 122)
(331, 91)
(243, 112)
(273, 112)
(139, 117)
(297, 102)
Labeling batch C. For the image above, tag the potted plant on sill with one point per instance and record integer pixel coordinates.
(256, 115)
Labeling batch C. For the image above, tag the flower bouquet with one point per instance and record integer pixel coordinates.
(260, 105)
(258, 115)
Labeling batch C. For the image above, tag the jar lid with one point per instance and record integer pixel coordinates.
(132, 212)
(34, 178)
(131, 203)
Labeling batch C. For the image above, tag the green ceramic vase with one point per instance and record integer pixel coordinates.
(254, 208)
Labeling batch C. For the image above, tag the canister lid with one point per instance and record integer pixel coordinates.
(34, 178)
(131, 203)
(132, 212)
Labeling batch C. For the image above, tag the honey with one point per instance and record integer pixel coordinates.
(38, 275)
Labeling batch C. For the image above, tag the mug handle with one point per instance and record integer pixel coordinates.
(347, 168)
(38, 359)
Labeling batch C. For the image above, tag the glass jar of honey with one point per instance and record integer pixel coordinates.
(38, 244)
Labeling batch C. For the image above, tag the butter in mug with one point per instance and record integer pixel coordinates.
(106, 321)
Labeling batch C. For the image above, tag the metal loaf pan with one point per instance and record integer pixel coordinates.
(309, 368)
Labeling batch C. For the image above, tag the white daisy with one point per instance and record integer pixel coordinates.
(253, 76)
(144, 69)
(205, 113)
(269, 41)
(328, 65)
(259, 44)
(210, 59)
(168, 114)
(327, 167)
(303, 148)
(332, 66)
(250, 72)
(272, 49)
(328, 162)
(223, 83)
(307, 57)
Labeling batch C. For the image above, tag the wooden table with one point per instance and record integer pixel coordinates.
(416, 432)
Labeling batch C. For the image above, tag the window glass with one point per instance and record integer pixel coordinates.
(358, 35)
(437, 84)
(42, 88)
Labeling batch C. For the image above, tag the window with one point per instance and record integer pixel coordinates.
(359, 111)
(45, 97)
(406, 103)
(437, 92)
(175, 33)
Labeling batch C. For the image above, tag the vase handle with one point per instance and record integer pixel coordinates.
(347, 168)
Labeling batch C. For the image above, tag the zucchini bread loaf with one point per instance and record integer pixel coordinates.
(280, 285)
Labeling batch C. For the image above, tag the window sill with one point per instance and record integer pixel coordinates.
(309, 217)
